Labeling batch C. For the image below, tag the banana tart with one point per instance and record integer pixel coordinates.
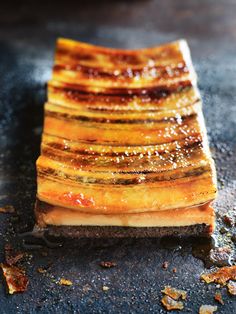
(124, 148)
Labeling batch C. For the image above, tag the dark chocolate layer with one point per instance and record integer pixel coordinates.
(127, 232)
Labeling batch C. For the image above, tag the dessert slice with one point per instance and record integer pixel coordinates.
(124, 149)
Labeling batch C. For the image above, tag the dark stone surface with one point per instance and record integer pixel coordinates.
(27, 36)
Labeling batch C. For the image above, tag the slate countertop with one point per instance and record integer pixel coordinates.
(27, 35)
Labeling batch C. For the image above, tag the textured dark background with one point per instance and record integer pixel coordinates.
(27, 39)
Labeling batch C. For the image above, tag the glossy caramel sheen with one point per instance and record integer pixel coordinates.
(124, 134)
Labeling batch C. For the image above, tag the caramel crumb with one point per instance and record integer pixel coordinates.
(165, 265)
(175, 270)
(174, 293)
(218, 297)
(220, 276)
(107, 264)
(171, 304)
(16, 279)
(7, 209)
(65, 282)
(41, 270)
(105, 288)
(207, 309)
(228, 220)
(232, 287)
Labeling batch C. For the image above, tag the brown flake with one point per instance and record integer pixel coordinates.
(218, 297)
(107, 264)
(15, 277)
(174, 293)
(41, 270)
(65, 282)
(220, 276)
(207, 309)
(7, 209)
(228, 220)
(165, 265)
(171, 304)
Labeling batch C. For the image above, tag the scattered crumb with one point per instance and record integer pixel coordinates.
(108, 264)
(218, 297)
(174, 270)
(220, 276)
(105, 288)
(12, 257)
(165, 265)
(15, 277)
(174, 293)
(45, 268)
(232, 287)
(171, 304)
(7, 209)
(207, 309)
(65, 282)
(41, 270)
(228, 220)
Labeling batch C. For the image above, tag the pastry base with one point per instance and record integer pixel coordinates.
(60, 221)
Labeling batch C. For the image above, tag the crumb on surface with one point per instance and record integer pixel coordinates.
(107, 264)
(65, 282)
(228, 220)
(207, 309)
(171, 304)
(218, 297)
(105, 288)
(220, 276)
(174, 293)
(7, 209)
(41, 270)
(15, 277)
(165, 265)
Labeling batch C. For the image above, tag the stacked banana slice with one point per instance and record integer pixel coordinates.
(124, 149)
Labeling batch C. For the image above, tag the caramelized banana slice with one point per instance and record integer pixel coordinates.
(124, 142)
